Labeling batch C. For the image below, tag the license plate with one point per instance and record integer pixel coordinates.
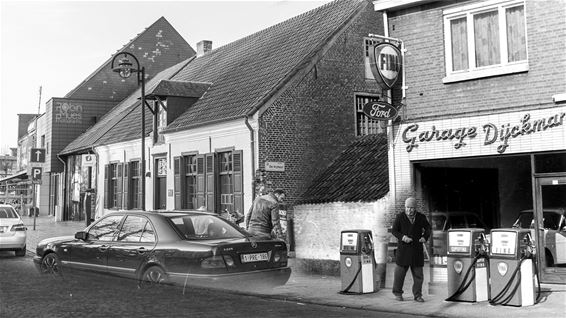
(256, 257)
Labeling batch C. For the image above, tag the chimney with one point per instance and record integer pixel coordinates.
(203, 47)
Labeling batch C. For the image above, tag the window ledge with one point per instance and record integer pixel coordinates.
(487, 72)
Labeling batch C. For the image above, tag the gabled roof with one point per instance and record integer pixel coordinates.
(245, 73)
(359, 174)
(116, 118)
(158, 47)
(238, 77)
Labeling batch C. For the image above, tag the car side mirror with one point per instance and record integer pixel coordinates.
(81, 235)
(563, 229)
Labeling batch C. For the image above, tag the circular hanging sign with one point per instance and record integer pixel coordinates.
(385, 64)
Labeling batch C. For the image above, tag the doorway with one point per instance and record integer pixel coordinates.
(550, 220)
(160, 193)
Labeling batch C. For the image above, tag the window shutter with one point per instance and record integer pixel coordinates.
(210, 182)
(106, 187)
(238, 182)
(200, 181)
(119, 185)
(126, 179)
(177, 182)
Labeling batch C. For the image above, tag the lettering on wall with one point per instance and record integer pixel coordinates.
(69, 113)
(492, 133)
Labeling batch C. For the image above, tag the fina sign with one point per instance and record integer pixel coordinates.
(386, 64)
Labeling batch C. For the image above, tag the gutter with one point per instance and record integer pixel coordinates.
(252, 150)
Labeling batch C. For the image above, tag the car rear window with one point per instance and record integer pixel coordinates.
(7, 213)
(205, 227)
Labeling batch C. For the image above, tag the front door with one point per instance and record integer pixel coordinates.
(550, 221)
(160, 202)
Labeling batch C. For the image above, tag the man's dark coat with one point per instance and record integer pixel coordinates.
(410, 254)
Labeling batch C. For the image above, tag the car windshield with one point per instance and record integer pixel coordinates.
(7, 213)
(205, 227)
(438, 222)
(551, 220)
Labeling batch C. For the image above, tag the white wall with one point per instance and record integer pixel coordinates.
(318, 227)
(233, 134)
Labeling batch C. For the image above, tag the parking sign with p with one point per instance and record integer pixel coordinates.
(36, 174)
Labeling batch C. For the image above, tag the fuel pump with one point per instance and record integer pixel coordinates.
(467, 265)
(357, 262)
(512, 267)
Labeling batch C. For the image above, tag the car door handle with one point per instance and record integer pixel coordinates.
(103, 248)
(141, 250)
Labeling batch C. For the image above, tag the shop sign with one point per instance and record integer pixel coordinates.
(412, 134)
(68, 113)
(385, 63)
(88, 160)
(380, 110)
(274, 166)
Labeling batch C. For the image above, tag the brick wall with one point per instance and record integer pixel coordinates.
(421, 29)
(314, 119)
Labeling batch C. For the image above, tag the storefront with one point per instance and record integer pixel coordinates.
(499, 167)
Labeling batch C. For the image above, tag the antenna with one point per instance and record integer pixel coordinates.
(39, 104)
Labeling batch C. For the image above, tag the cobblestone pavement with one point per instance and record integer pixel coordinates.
(319, 289)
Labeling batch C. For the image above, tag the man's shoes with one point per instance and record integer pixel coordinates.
(399, 297)
(419, 299)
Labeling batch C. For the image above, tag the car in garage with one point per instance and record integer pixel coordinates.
(13, 232)
(182, 248)
(442, 222)
(554, 226)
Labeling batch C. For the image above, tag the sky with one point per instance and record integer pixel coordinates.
(55, 45)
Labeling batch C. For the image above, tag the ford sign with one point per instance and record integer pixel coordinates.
(380, 110)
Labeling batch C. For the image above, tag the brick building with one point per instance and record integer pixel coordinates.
(270, 110)
(160, 46)
(482, 127)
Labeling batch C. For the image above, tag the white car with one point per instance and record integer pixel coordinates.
(12, 231)
(554, 224)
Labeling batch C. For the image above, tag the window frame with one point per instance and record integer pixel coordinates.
(474, 72)
(368, 121)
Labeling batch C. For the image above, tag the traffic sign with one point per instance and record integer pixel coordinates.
(36, 174)
(37, 155)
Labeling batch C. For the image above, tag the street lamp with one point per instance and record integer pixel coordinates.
(125, 69)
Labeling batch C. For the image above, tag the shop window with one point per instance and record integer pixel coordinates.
(485, 39)
(365, 125)
(548, 163)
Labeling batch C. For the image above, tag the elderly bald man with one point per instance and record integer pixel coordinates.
(412, 229)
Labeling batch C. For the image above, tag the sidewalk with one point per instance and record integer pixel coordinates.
(324, 290)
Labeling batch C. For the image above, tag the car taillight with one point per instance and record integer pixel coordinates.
(216, 261)
(18, 227)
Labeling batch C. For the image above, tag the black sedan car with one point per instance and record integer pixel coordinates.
(182, 248)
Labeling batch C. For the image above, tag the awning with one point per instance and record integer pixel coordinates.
(16, 177)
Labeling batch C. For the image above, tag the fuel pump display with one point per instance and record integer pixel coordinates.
(512, 267)
(467, 265)
(357, 262)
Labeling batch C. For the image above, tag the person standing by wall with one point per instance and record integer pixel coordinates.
(263, 218)
(412, 229)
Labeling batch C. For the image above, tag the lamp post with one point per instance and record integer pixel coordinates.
(125, 69)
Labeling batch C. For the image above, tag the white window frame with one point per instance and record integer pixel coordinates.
(473, 72)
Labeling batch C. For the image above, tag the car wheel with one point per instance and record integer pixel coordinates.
(50, 264)
(153, 276)
(21, 252)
